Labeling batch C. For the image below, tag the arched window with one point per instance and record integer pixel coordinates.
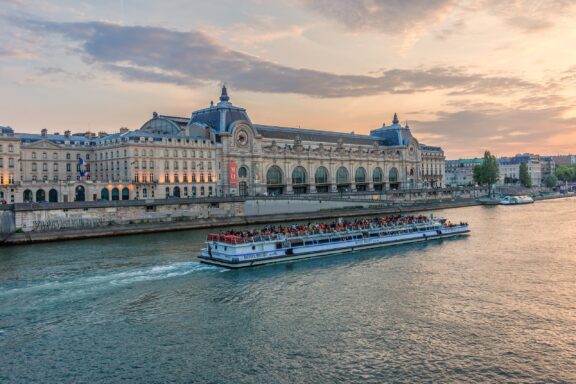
(28, 196)
(115, 194)
(53, 196)
(105, 194)
(40, 196)
(377, 175)
(299, 175)
(342, 176)
(321, 176)
(125, 193)
(80, 194)
(360, 176)
(274, 176)
(274, 181)
(176, 192)
(393, 175)
(242, 172)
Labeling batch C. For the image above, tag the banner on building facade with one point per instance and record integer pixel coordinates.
(232, 173)
(83, 168)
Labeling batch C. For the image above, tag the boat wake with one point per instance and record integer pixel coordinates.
(84, 282)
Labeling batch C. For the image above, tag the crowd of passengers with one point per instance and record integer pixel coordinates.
(334, 226)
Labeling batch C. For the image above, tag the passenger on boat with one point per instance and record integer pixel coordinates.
(331, 227)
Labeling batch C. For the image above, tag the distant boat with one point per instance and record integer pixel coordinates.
(516, 200)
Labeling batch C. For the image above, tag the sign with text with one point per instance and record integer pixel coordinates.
(232, 173)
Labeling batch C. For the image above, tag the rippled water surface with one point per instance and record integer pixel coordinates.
(499, 306)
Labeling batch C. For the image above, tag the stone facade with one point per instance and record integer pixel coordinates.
(218, 151)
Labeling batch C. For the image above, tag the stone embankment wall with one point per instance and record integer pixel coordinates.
(40, 220)
(7, 223)
(281, 207)
(30, 222)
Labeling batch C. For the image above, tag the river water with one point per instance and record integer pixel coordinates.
(498, 306)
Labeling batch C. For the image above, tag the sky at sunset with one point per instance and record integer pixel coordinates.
(466, 75)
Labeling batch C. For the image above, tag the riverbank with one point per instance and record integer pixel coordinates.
(134, 229)
(219, 222)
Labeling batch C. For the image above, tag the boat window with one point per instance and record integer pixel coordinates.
(253, 247)
(278, 245)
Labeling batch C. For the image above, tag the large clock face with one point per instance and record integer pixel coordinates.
(242, 138)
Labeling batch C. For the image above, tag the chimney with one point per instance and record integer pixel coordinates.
(67, 133)
(44, 132)
(207, 133)
(102, 134)
(124, 130)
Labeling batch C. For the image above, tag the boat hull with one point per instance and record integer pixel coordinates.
(309, 253)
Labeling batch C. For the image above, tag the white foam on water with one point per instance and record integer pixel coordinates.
(158, 272)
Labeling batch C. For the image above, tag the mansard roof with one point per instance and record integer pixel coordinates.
(274, 132)
(58, 139)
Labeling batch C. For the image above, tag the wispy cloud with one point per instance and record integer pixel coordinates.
(9, 53)
(153, 54)
(503, 130)
(415, 17)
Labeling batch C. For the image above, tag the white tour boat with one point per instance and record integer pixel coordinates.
(251, 248)
(515, 200)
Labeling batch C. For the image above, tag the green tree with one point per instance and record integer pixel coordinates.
(525, 178)
(551, 181)
(566, 172)
(477, 174)
(487, 173)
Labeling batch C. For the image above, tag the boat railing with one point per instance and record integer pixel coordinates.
(236, 239)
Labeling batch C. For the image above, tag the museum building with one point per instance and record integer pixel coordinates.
(218, 151)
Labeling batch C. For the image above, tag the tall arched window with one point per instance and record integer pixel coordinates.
(299, 175)
(377, 178)
(377, 175)
(321, 176)
(393, 175)
(360, 177)
(53, 196)
(28, 196)
(105, 194)
(40, 196)
(274, 181)
(321, 179)
(299, 180)
(342, 176)
(274, 176)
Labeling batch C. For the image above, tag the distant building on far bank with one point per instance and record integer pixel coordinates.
(461, 172)
(564, 159)
(509, 168)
